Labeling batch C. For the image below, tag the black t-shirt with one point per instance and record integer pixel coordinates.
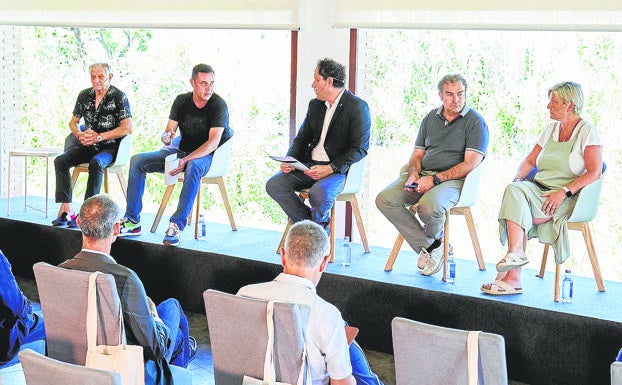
(195, 123)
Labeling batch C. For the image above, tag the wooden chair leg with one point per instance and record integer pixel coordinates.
(106, 186)
(468, 217)
(197, 202)
(445, 245)
(591, 251)
(167, 196)
(122, 181)
(545, 255)
(359, 222)
(331, 226)
(394, 252)
(225, 199)
(556, 291)
(282, 242)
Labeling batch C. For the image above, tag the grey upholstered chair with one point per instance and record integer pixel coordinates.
(238, 336)
(428, 354)
(63, 296)
(42, 370)
(616, 373)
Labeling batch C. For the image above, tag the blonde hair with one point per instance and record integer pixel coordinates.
(569, 92)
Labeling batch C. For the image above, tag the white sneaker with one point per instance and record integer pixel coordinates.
(424, 256)
(435, 262)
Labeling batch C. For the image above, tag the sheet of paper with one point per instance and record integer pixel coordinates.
(291, 161)
(170, 162)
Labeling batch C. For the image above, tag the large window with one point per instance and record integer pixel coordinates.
(508, 73)
(50, 66)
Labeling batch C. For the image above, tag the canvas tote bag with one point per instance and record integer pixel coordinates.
(124, 359)
(473, 357)
(269, 373)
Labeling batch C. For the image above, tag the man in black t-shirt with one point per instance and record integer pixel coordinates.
(107, 119)
(203, 120)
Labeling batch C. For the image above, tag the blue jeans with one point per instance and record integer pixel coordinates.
(282, 188)
(98, 160)
(360, 367)
(19, 323)
(174, 318)
(148, 162)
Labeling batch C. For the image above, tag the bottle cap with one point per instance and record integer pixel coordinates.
(568, 271)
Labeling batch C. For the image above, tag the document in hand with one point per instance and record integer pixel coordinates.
(291, 161)
(170, 162)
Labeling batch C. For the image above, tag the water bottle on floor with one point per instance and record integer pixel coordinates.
(201, 233)
(346, 254)
(451, 268)
(567, 287)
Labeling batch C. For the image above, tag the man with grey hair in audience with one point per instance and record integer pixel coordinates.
(162, 331)
(304, 259)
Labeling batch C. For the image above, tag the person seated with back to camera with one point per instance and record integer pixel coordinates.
(162, 331)
(304, 259)
(19, 323)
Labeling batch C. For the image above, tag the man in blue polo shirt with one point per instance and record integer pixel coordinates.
(452, 141)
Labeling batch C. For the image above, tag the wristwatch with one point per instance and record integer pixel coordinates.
(569, 193)
(99, 138)
(436, 180)
(335, 169)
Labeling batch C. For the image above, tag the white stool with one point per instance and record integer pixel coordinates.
(46, 153)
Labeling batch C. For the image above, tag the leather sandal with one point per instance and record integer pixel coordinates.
(512, 261)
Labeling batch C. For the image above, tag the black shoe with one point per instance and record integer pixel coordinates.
(61, 220)
(72, 224)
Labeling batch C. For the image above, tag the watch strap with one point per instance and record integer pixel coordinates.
(436, 180)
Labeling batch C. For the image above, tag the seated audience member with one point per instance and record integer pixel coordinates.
(304, 259)
(162, 331)
(333, 136)
(568, 156)
(203, 120)
(19, 324)
(107, 117)
(451, 142)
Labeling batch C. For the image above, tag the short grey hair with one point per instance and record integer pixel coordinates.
(306, 244)
(98, 215)
(452, 78)
(569, 92)
(105, 66)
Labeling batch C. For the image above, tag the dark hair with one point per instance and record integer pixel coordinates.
(452, 78)
(330, 68)
(202, 68)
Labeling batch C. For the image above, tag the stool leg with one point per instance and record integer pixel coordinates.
(445, 245)
(394, 252)
(167, 196)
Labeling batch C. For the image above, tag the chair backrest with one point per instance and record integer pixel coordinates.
(238, 337)
(616, 373)
(63, 296)
(220, 161)
(354, 179)
(42, 370)
(124, 152)
(586, 207)
(428, 354)
(470, 188)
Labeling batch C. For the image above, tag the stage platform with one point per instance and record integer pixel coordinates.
(546, 342)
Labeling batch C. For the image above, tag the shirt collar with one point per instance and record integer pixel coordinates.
(336, 100)
(296, 280)
(106, 256)
(465, 110)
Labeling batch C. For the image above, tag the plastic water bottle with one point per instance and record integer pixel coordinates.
(346, 253)
(451, 268)
(201, 235)
(567, 287)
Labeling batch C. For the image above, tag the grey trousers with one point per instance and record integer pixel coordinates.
(394, 202)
